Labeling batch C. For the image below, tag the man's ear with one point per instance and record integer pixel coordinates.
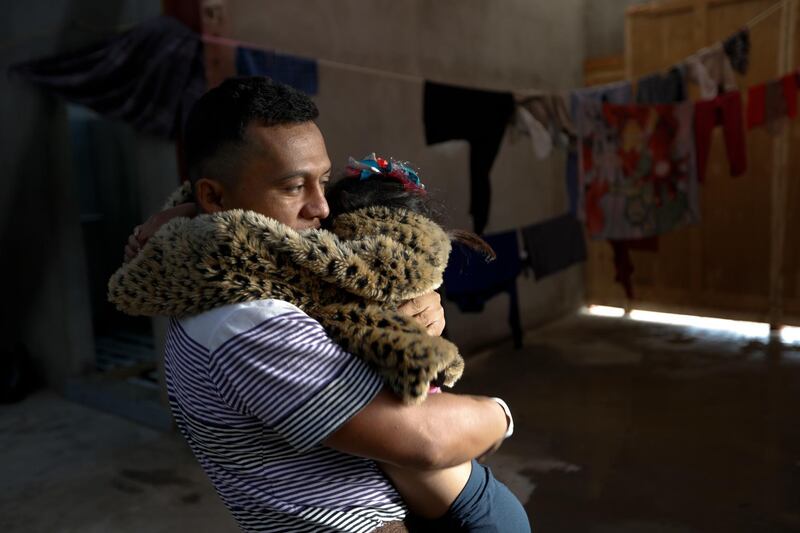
(209, 195)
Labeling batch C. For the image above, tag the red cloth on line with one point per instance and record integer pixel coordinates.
(724, 110)
(757, 100)
(623, 264)
(756, 105)
(789, 83)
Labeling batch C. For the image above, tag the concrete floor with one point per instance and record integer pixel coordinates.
(621, 427)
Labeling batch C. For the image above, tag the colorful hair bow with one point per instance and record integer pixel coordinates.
(373, 165)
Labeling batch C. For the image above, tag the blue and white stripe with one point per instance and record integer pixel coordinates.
(255, 389)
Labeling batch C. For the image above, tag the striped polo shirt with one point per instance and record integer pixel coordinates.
(255, 388)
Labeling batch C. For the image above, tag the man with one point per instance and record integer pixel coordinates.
(285, 423)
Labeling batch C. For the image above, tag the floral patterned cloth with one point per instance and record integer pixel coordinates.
(637, 169)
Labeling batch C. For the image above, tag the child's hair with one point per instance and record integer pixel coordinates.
(349, 193)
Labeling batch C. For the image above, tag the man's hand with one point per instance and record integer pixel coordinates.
(141, 234)
(427, 310)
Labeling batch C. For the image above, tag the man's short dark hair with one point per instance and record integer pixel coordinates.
(215, 140)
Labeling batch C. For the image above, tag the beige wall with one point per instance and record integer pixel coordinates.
(513, 44)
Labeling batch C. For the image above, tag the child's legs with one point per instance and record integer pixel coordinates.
(485, 506)
(429, 493)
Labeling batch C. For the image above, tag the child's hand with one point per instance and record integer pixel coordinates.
(427, 310)
(142, 233)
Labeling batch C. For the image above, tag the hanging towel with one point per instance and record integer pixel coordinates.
(711, 69)
(479, 117)
(296, 72)
(470, 281)
(149, 76)
(662, 88)
(554, 245)
(737, 48)
(724, 110)
(638, 171)
(614, 93)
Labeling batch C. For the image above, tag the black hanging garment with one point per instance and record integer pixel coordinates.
(480, 117)
(149, 76)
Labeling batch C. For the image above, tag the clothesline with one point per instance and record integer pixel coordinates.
(766, 13)
(413, 78)
(235, 43)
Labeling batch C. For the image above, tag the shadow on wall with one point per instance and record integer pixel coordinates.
(46, 317)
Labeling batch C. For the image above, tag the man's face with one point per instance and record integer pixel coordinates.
(284, 175)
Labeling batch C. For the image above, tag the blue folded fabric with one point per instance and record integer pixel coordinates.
(296, 72)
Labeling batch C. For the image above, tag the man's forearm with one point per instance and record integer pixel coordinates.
(462, 427)
(445, 430)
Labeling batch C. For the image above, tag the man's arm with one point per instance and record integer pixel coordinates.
(445, 430)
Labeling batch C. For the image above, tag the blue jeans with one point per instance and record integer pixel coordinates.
(484, 506)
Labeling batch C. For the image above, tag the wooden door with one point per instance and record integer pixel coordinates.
(726, 265)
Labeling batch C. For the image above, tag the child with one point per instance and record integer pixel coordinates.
(464, 497)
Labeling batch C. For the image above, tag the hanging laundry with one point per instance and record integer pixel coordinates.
(623, 264)
(540, 137)
(662, 88)
(296, 72)
(775, 106)
(573, 188)
(149, 76)
(769, 103)
(756, 105)
(470, 281)
(551, 111)
(790, 86)
(637, 172)
(711, 69)
(614, 93)
(554, 245)
(726, 111)
(737, 48)
(480, 117)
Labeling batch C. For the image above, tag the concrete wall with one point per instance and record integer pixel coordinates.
(604, 23)
(514, 44)
(46, 303)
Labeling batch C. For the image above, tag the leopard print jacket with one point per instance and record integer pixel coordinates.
(350, 279)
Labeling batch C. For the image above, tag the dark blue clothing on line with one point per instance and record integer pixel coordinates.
(470, 281)
(296, 72)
